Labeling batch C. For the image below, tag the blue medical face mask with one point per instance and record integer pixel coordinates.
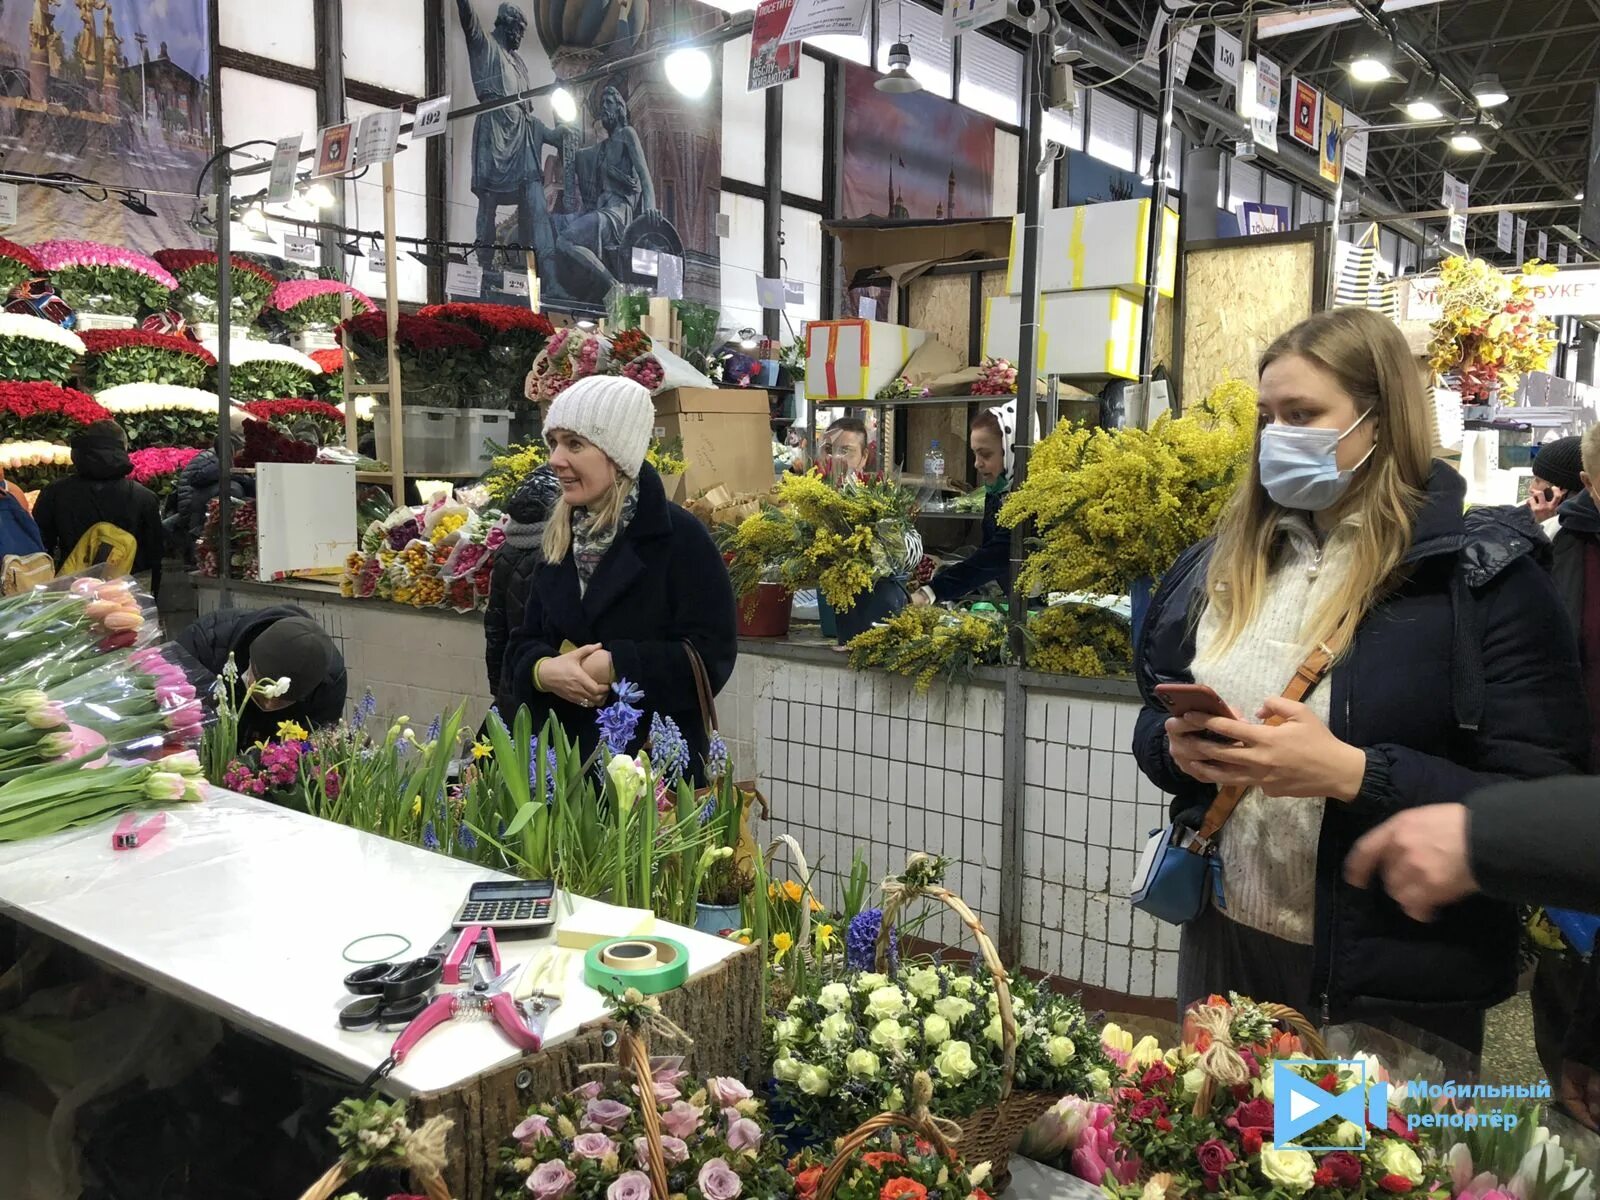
(1300, 467)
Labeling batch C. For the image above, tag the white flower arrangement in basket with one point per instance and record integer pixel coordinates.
(29, 326)
(241, 351)
(157, 397)
(16, 455)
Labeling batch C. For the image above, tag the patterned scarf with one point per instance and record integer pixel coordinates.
(589, 545)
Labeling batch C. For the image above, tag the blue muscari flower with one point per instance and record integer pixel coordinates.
(466, 838)
(364, 710)
(667, 747)
(861, 942)
(501, 831)
(716, 757)
(709, 811)
(439, 805)
(430, 840)
(618, 723)
(433, 729)
(549, 771)
(627, 691)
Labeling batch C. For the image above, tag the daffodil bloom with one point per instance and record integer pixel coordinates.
(416, 807)
(481, 749)
(792, 891)
(782, 943)
(825, 937)
(291, 731)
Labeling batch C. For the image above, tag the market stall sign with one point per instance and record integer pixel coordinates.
(1570, 293)
(772, 61)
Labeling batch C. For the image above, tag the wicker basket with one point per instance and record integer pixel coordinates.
(991, 1134)
(339, 1175)
(915, 1119)
(1284, 1015)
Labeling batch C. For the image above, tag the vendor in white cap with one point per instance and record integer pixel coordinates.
(991, 436)
(631, 588)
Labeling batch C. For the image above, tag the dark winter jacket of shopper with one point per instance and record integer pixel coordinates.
(514, 566)
(234, 631)
(197, 487)
(100, 490)
(662, 583)
(1457, 679)
(989, 563)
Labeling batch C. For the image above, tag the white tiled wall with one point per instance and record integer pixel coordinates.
(850, 759)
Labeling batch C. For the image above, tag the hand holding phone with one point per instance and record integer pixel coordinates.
(1195, 699)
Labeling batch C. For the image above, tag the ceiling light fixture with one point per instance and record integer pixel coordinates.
(899, 81)
(1466, 141)
(564, 106)
(688, 70)
(138, 202)
(254, 219)
(1489, 92)
(319, 195)
(1370, 67)
(1421, 101)
(352, 248)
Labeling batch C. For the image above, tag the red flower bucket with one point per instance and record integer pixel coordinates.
(766, 613)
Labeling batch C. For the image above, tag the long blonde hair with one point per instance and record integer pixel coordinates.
(606, 511)
(1369, 357)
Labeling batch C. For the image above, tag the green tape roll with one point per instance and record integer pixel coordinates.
(671, 969)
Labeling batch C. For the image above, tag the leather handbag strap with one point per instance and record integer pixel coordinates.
(702, 687)
(1306, 676)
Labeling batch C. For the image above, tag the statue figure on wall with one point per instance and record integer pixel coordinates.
(88, 44)
(507, 142)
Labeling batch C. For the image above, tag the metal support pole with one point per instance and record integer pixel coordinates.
(223, 177)
(772, 208)
(1334, 225)
(1152, 254)
(1012, 790)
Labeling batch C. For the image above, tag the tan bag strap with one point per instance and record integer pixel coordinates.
(702, 686)
(1306, 676)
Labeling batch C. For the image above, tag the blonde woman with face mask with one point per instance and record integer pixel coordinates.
(1451, 668)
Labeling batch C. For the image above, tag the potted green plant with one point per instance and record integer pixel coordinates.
(725, 879)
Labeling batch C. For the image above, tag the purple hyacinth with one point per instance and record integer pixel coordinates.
(430, 840)
(620, 721)
(433, 729)
(364, 710)
(549, 771)
(861, 942)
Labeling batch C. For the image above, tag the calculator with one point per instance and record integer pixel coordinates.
(526, 905)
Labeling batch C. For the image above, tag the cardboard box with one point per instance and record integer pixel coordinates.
(1097, 246)
(1080, 333)
(855, 359)
(726, 435)
(901, 250)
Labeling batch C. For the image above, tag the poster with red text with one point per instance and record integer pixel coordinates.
(772, 63)
(1303, 113)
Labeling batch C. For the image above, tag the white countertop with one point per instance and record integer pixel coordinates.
(243, 909)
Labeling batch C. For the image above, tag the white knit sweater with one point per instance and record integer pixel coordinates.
(1269, 845)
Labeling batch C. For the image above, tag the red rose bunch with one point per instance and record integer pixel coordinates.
(46, 412)
(179, 262)
(490, 319)
(105, 341)
(287, 412)
(331, 361)
(263, 443)
(367, 333)
(902, 1168)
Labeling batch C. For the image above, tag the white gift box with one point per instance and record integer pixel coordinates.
(1097, 246)
(1080, 333)
(855, 359)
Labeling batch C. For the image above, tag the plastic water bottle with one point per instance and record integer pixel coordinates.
(933, 468)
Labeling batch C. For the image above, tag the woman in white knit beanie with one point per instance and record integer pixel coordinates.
(632, 587)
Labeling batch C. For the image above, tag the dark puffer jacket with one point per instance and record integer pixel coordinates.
(100, 490)
(1459, 678)
(514, 566)
(232, 631)
(1580, 525)
(661, 584)
(197, 486)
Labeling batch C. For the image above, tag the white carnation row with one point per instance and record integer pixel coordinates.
(34, 454)
(153, 397)
(29, 326)
(243, 351)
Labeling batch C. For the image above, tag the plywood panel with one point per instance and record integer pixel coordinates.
(1236, 300)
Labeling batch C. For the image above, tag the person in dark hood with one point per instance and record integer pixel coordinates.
(184, 517)
(276, 643)
(514, 566)
(99, 490)
(1450, 670)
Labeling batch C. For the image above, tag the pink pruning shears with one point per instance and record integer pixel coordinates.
(523, 1023)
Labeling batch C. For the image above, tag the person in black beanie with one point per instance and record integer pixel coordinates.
(99, 490)
(277, 643)
(514, 566)
(1556, 479)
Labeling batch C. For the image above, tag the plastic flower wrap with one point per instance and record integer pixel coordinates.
(106, 279)
(33, 349)
(46, 411)
(1114, 506)
(316, 303)
(1487, 329)
(198, 284)
(124, 356)
(161, 414)
(996, 377)
(849, 1049)
(63, 795)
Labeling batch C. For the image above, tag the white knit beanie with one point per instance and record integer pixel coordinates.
(613, 412)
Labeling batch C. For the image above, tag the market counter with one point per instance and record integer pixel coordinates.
(245, 910)
(852, 759)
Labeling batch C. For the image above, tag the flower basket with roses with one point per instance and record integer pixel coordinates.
(117, 356)
(512, 337)
(160, 414)
(316, 304)
(104, 279)
(330, 384)
(45, 412)
(196, 273)
(1487, 330)
(264, 443)
(17, 265)
(35, 350)
(374, 1133)
(1114, 506)
(268, 371)
(440, 361)
(1200, 1117)
(999, 1051)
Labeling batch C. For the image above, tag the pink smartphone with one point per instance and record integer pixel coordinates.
(1181, 699)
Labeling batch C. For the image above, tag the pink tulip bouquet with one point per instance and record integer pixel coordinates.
(316, 303)
(58, 625)
(590, 1144)
(63, 795)
(98, 278)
